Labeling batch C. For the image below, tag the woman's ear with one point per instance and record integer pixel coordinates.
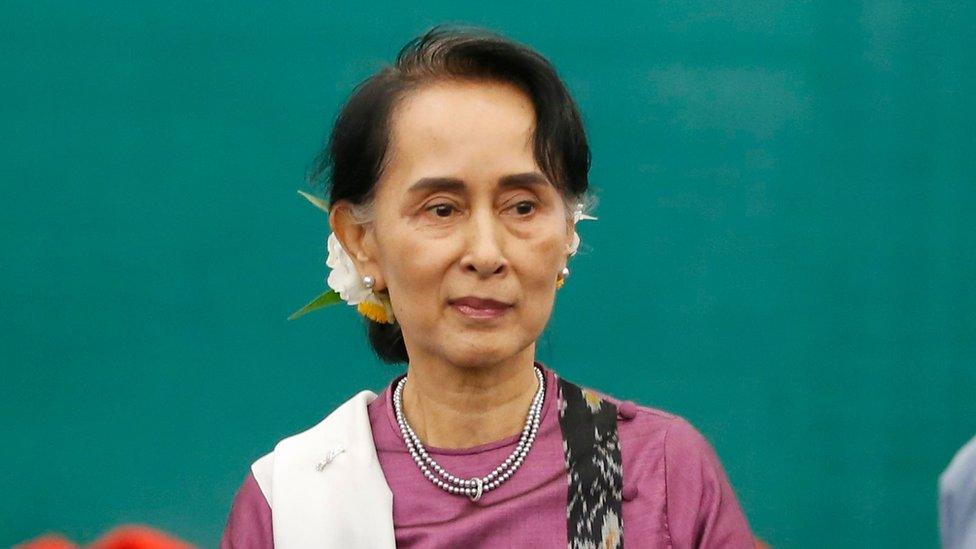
(358, 240)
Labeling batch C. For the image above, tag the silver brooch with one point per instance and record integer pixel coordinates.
(328, 459)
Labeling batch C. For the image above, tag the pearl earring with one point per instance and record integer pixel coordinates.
(368, 282)
(565, 272)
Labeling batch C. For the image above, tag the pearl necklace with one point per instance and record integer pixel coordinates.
(474, 487)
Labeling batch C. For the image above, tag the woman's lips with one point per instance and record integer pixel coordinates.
(473, 307)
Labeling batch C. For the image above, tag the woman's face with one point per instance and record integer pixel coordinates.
(463, 210)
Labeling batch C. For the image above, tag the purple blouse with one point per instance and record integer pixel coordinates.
(675, 491)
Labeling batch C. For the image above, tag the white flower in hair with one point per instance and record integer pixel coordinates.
(343, 278)
(577, 216)
(345, 282)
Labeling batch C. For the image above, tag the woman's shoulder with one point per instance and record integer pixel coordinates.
(666, 449)
(677, 438)
(342, 422)
(648, 418)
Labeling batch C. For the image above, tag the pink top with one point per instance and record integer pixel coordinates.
(675, 491)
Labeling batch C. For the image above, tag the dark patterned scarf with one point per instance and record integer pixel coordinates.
(592, 450)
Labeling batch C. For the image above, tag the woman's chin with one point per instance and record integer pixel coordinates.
(483, 351)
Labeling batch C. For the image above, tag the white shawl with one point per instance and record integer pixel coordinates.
(325, 486)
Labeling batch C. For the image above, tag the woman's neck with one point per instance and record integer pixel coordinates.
(460, 407)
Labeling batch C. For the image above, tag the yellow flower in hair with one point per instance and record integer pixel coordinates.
(377, 311)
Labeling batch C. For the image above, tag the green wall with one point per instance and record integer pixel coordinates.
(785, 252)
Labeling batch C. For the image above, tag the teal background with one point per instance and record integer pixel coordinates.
(784, 255)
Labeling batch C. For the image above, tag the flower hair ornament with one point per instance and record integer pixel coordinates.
(347, 285)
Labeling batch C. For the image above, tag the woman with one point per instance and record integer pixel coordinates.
(457, 178)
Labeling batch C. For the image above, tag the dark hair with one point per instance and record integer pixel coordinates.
(354, 158)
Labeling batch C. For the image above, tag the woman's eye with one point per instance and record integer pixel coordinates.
(525, 207)
(440, 209)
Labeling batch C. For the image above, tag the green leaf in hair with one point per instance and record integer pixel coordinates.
(330, 297)
(316, 201)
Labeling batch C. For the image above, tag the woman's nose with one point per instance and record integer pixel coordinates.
(484, 253)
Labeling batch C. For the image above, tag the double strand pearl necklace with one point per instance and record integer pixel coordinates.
(474, 487)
